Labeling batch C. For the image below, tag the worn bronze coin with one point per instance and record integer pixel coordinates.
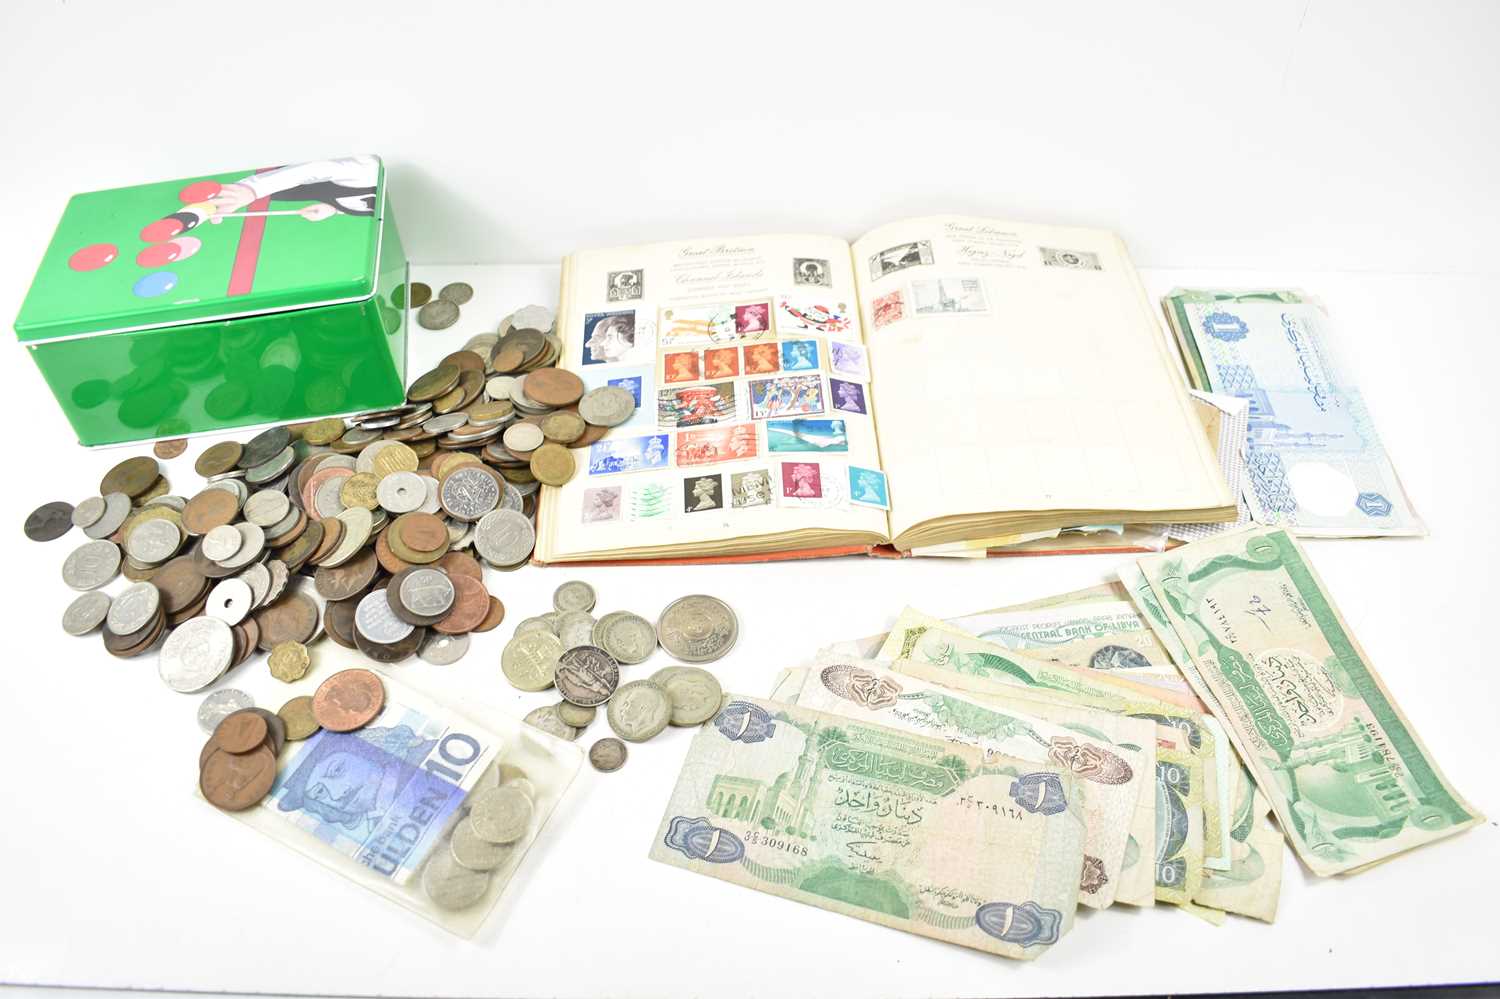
(241, 731)
(338, 621)
(553, 464)
(348, 580)
(418, 294)
(209, 509)
(169, 449)
(421, 532)
(493, 617)
(333, 533)
(554, 387)
(297, 714)
(471, 604)
(237, 781)
(591, 435)
(49, 521)
(464, 360)
(508, 359)
(322, 432)
(348, 700)
(293, 618)
(396, 651)
(180, 583)
(302, 547)
(218, 459)
(460, 564)
(264, 446)
(439, 381)
(132, 476)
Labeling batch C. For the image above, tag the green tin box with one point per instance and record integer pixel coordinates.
(231, 300)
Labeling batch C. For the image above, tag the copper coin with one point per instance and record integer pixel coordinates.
(347, 580)
(439, 381)
(132, 476)
(494, 617)
(338, 621)
(237, 781)
(275, 729)
(173, 448)
(464, 360)
(333, 533)
(241, 732)
(348, 700)
(180, 583)
(554, 387)
(218, 459)
(389, 560)
(508, 359)
(421, 532)
(293, 618)
(299, 551)
(209, 509)
(460, 564)
(591, 435)
(471, 604)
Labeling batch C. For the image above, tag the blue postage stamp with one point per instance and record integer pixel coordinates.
(799, 355)
(628, 454)
(867, 487)
(803, 434)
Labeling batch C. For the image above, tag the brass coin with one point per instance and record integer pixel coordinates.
(563, 426)
(158, 488)
(554, 387)
(323, 432)
(464, 360)
(132, 476)
(289, 661)
(421, 294)
(394, 458)
(438, 381)
(494, 617)
(170, 448)
(508, 359)
(552, 464)
(359, 490)
(209, 509)
(218, 459)
(297, 714)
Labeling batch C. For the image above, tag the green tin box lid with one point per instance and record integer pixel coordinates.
(209, 248)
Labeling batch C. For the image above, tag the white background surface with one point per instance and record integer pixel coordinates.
(1350, 149)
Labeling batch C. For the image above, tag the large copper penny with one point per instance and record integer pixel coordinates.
(237, 781)
(554, 387)
(348, 700)
(180, 583)
(133, 476)
(209, 509)
(241, 732)
(471, 605)
(293, 618)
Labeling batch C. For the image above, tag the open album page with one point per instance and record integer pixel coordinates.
(1020, 368)
(748, 365)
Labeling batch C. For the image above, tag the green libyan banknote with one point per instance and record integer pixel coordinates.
(1350, 782)
(899, 829)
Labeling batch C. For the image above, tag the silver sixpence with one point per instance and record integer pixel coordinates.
(133, 609)
(152, 542)
(607, 406)
(469, 493)
(375, 620)
(87, 513)
(500, 814)
(427, 592)
(529, 661)
(472, 851)
(574, 595)
(267, 508)
(86, 613)
(697, 628)
(449, 885)
(586, 676)
(607, 755)
(222, 542)
(220, 705)
(91, 565)
(576, 628)
(401, 492)
(116, 509)
(443, 650)
(504, 537)
(195, 654)
(695, 694)
(547, 720)
(628, 637)
(639, 711)
(230, 600)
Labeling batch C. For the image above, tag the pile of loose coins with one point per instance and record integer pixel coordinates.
(441, 312)
(580, 655)
(494, 820)
(237, 766)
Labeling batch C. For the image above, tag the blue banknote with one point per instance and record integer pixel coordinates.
(1314, 462)
(383, 795)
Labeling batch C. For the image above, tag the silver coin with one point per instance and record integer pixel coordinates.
(472, 851)
(529, 660)
(497, 388)
(574, 595)
(116, 509)
(437, 315)
(532, 317)
(258, 578)
(607, 755)
(269, 470)
(607, 406)
(358, 526)
(195, 654)
(586, 676)
(153, 541)
(326, 501)
(178, 503)
(547, 720)
(86, 613)
(91, 565)
(401, 492)
(375, 620)
(501, 814)
(523, 437)
(470, 493)
(221, 543)
(427, 593)
(697, 628)
(574, 714)
(431, 504)
(448, 885)
(512, 499)
(575, 628)
(365, 461)
(230, 600)
(233, 486)
(443, 650)
(628, 637)
(87, 513)
(284, 526)
(457, 292)
(220, 705)
(639, 711)
(277, 571)
(504, 537)
(695, 694)
(538, 624)
(133, 609)
(267, 508)
(446, 422)
(252, 546)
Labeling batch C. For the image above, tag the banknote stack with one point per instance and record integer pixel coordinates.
(976, 779)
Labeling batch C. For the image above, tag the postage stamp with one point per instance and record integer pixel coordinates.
(762, 359)
(610, 338)
(655, 499)
(805, 434)
(716, 444)
(889, 308)
(696, 405)
(1081, 260)
(789, 395)
(703, 324)
(631, 384)
(899, 258)
(721, 362)
(811, 271)
(626, 286)
(848, 397)
(947, 296)
(628, 454)
(867, 487)
(602, 505)
(799, 355)
(798, 315)
(702, 492)
(753, 320)
(680, 366)
(801, 480)
(849, 360)
(750, 489)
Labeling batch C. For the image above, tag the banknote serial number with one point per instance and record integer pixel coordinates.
(756, 838)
